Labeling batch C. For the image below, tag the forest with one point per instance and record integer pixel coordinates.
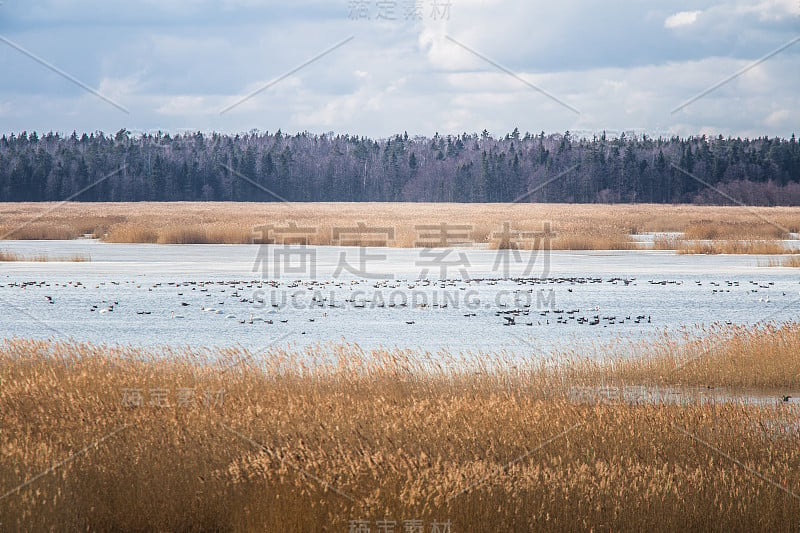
(515, 167)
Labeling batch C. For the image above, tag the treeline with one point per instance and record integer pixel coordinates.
(461, 168)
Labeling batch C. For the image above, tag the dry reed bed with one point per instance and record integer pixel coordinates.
(763, 358)
(581, 227)
(40, 258)
(793, 261)
(755, 247)
(307, 442)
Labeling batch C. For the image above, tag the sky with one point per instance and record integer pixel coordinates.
(381, 67)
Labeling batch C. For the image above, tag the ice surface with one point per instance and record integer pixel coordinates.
(317, 294)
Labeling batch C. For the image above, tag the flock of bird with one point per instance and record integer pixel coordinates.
(561, 316)
(246, 300)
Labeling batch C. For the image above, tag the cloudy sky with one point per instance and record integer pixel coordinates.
(378, 67)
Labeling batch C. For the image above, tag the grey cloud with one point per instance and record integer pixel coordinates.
(176, 64)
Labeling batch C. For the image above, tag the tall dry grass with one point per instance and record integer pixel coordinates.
(723, 246)
(791, 261)
(309, 441)
(734, 230)
(762, 358)
(593, 242)
(42, 222)
(731, 247)
(575, 226)
(41, 258)
(667, 242)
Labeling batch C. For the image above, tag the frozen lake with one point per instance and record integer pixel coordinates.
(459, 300)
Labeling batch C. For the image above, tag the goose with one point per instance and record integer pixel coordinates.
(230, 316)
(173, 315)
(106, 310)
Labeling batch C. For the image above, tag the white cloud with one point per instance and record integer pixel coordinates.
(186, 105)
(119, 88)
(771, 10)
(780, 117)
(624, 65)
(683, 18)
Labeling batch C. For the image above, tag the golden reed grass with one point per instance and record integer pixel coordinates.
(578, 227)
(762, 359)
(310, 441)
(724, 246)
(731, 247)
(734, 230)
(40, 258)
(793, 261)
